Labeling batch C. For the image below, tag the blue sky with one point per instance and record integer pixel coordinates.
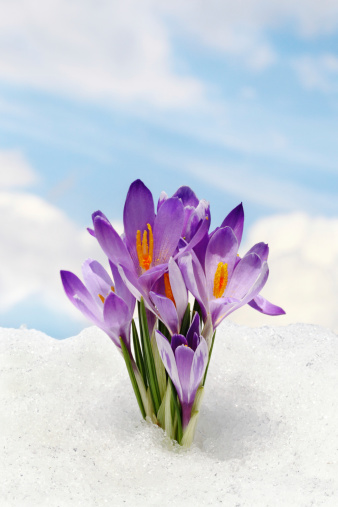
(238, 101)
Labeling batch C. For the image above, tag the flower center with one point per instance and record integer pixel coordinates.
(102, 297)
(167, 288)
(145, 248)
(221, 279)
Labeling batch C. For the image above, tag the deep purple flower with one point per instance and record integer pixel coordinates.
(185, 360)
(149, 240)
(108, 306)
(226, 282)
(196, 217)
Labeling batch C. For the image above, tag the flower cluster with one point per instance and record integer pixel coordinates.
(161, 258)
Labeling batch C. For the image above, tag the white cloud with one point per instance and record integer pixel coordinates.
(37, 241)
(318, 72)
(123, 51)
(303, 264)
(108, 51)
(15, 171)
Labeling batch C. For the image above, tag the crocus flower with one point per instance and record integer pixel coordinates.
(108, 306)
(226, 282)
(185, 360)
(170, 298)
(149, 240)
(196, 216)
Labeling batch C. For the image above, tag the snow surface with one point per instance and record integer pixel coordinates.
(71, 432)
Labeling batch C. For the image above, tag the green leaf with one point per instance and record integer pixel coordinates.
(198, 399)
(168, 419)
(185, 321)
(148, 358)
(159, 367)
(132, 377)
(176, 410)
(197, 308)
(189, 433)
(138, 353)
(210, 352)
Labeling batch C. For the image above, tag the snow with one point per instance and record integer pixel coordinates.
(71, 432)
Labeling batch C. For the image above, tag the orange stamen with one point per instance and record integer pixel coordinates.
(145, 248)
(167, 288)
(220, 279)
(102, 298)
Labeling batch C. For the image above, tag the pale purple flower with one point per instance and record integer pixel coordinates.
(170, 298)
(108, 304)
(185, 360)
(226, 282)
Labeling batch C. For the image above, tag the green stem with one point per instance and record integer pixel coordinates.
(210, 352)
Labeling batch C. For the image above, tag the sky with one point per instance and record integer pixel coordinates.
(238, 100)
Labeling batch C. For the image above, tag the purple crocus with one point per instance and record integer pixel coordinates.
(196, 216)
(109, 306)
(170, 298)
(149, 240)
(185, 360)
(227, 282)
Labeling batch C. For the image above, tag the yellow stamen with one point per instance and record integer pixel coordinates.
(103, 298)
(221, 279)
(145, 249)
(167, 288)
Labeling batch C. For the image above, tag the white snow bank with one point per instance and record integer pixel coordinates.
(71, 432)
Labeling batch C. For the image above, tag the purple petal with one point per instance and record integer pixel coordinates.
(235, 220)
(81, 298)
(198, 367)
(264, 306)
(251, 294)
(117, 319)
(111, 243)
(169, 361)
(187, 196)
(99, 214)
(193, 329)
(166, 310)
(96, 279)
(121, 289)
(177, 340)
(148, 278)
(194, 279)
(115, 311)
(195, 341)
(178, 288)
(131, 280)
(244, 276)
(138, 212)
(163, 197)
(261, 249)
(184, 358)
(222, 247)
(167, 229)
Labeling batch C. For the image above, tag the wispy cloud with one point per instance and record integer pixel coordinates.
(271, 191)
(107, 52)
(318, 72)
(15, 170)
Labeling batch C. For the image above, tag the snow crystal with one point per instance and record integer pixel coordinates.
(71, 432)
